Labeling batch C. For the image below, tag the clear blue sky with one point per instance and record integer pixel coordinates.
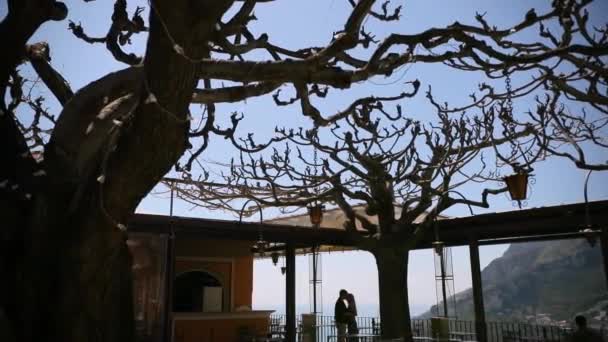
(296, 24)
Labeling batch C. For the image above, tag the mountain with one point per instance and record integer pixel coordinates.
(541, 282)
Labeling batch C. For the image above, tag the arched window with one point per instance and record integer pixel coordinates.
(197, 291)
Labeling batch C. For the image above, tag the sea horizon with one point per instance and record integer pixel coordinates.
(363, 309)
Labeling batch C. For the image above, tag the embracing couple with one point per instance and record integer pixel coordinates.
(345, 314)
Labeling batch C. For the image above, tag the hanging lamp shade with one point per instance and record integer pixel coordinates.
(315, 213)
(275, 258)
(517, 185)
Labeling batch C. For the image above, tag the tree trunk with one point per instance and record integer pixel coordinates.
(75, 280)
(77, 277)
(392, 284)
(23, 18)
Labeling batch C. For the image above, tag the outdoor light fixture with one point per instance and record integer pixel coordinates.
(587, 230)
(283, 268)
(438, 246)
(316, 214)
(275, 258)
(518, 186)
(261, 245)
(590, 236)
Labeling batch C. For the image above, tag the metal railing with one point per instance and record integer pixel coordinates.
(525, 332)
(496, 331)
(459, 329)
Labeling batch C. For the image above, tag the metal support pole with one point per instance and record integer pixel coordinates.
(169, 273)
(290, 287)
(603, 229)
(443, 289)
(480, 315)
(314, 279)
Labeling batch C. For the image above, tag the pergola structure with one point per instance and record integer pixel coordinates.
(589, 220)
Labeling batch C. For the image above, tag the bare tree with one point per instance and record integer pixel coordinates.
(571, 90)
(64, 218)
(404, 172)
(572, 132)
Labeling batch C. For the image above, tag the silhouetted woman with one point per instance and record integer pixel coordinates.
(352, 310)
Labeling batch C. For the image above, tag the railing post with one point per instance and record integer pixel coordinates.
(480, 316)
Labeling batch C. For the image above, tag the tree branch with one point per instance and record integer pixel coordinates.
(233, 94)
(39, 56)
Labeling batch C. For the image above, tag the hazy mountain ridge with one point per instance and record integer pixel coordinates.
(542, 282)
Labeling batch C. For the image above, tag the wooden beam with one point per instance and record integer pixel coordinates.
(187, 227)
(480, 315)
(553, 223)
(290, 289)
(534, 238)
(524, 224)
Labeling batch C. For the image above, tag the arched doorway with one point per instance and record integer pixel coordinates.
(198, 291)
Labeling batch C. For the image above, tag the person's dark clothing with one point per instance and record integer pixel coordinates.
(586, 335)
(352, 326)
(352, 316)
(340, 312)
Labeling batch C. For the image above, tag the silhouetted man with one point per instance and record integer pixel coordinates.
(341, 315)
(584, 334)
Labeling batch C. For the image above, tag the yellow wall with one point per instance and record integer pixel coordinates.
(243, 281)
(215, 256)
(218, 330)
(222, 270)
(232, 262)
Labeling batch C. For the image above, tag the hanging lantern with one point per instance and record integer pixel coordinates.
(518, 186)
(315, 213)
(275, 258)
(283, 267)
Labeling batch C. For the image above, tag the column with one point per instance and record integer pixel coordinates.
(604, 245)
(169, 275)
(290, 287)
(480, 315)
